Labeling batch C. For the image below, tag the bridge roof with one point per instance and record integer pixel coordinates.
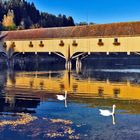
(2, 35)
(98, 30)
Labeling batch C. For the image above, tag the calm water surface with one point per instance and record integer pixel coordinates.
(30, 110)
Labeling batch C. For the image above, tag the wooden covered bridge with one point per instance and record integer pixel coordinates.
(74, 42)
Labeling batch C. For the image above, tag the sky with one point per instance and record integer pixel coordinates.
(96, 11)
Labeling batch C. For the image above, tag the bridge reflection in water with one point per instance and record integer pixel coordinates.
(57, 82)
(21, 89)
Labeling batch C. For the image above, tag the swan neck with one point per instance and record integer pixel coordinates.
(65, 95)
(113, 110)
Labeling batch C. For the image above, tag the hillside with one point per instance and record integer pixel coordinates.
(26, 15)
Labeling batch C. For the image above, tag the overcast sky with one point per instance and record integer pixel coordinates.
(98, 11)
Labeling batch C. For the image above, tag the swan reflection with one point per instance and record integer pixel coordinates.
(62, 97)
(107, 113)
(113, 120)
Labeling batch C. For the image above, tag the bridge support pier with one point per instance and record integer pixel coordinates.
(78, 64)
(10, 63)
(68, 64)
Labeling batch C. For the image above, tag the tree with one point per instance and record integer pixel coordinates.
(20, 14)
(82, 23)
(26, 23)
(92, 23)
(8, 20)
(64, 18)
(0, 26)
(70, 21)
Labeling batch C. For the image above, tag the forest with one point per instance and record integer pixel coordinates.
(20, 14)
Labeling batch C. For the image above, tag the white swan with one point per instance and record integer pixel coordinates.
(108, 112)
(62, 97)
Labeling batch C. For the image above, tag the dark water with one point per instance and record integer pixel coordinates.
(30, 110)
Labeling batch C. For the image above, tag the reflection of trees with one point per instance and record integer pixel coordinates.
(100, 91)
(116, 92)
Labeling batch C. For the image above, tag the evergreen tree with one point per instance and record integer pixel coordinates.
(0, 26)
(27, 16)
(70, 21)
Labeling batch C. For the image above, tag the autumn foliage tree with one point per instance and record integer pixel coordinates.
(8, 21)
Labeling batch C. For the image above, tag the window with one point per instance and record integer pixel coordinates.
(61, 43)
(74, 43)
(116, 42)
(31, 44)
(41, 44)
(13, 45)
(5, 45)
(100, 42)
